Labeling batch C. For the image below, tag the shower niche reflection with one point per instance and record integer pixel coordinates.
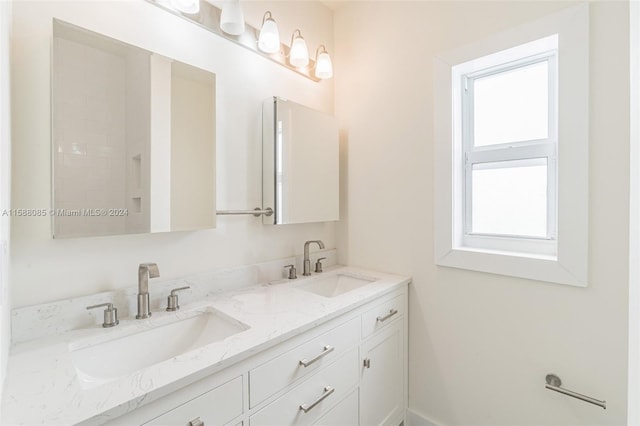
(133, 138)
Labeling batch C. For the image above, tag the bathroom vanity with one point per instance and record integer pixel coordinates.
(329, 349)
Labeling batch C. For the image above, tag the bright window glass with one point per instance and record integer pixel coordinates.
(510, 198)
(511, 106)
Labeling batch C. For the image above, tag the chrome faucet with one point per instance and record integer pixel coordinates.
(145, 271)
(307, 263)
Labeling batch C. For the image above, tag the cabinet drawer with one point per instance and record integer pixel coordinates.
(343, 414)
(216, 407)
(383, 314)
(276, 374)
(341, 376)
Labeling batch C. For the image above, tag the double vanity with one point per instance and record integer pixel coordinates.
(297, 340)
(326, 349)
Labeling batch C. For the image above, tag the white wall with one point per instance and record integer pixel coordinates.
(46, 269)
(634, 218)
(5, 187)
(480, 345)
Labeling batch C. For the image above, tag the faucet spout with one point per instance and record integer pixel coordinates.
(307, 261)
(145, 271)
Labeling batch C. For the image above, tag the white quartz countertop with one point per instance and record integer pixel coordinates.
(42, 386)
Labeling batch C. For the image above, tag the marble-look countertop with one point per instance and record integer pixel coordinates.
(43, 387)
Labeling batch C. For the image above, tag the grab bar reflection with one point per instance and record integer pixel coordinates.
(555, 384)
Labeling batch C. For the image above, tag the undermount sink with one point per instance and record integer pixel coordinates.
(103, 362)
(335, 285)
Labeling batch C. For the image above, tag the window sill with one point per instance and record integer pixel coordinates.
(522, 265)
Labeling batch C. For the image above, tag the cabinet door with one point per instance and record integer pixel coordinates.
(216, 407)
(381, 385)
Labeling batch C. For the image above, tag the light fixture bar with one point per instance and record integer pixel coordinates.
(209, 19)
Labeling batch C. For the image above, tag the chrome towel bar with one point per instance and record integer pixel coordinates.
(554, 383)
(257, 212)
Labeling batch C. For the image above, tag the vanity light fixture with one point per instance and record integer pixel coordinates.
(269, 40)
(186, 6)
(264, 41)
(298, 54)
(232, 18)
(324, 68)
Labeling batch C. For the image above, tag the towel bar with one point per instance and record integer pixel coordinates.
(554, 383)
(257, 212)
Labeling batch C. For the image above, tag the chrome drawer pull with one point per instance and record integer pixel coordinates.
(327, 350)
(327, 391)
(196, 422)
(391, 313)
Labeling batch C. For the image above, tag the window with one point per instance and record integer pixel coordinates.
(507, 120)
(511, 151)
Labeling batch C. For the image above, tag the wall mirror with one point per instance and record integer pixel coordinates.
(133, 138)
(300, 163)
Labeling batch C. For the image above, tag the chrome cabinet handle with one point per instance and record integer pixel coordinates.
(196, 422)
(327, 391)
(391, 313)
(327, 350)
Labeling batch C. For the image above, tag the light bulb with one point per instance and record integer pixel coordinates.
(299, 54)
(269, 40)
(232, 18)
(324, 68)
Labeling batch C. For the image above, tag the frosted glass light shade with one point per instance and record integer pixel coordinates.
(269, 40)
(232, 18)
(299, 54)
(186, 6)
(324, 68)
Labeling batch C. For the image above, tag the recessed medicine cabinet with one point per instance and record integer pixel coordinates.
(300, 163)
(133, 138)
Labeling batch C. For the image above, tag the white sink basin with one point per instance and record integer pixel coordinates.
(103, 362)
(335, 285)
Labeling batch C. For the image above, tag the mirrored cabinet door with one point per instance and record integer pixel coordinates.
(133, 138)
(300, 163)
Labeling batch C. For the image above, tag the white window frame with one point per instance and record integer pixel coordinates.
(465, 75)
(562, 257)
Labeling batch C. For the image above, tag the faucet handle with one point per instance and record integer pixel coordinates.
(172, 299)
(110, 314)
(292, 272)
(319, 264)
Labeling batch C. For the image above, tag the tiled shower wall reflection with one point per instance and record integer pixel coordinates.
(94, 110)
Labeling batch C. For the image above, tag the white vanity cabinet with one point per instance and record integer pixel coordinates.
(308, 401)
(350, 370)
(381, 383)
(383, 353)
(302, 360)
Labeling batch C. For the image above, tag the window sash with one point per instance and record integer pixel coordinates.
(531, 152)
(511, 151)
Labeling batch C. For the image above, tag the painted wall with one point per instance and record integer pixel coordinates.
(45, 269)
(480, 345)
(5, 187)
(634, 217)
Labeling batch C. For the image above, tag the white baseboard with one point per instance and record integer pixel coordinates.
(415, 419)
